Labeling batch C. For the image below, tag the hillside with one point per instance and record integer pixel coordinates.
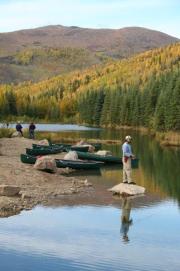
(143, 90)
(42, 63)
(37, 54)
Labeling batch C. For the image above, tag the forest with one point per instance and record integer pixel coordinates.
(143, 90)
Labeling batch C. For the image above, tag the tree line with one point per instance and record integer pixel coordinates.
(143, 90)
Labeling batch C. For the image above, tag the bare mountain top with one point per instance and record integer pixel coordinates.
(113, 42)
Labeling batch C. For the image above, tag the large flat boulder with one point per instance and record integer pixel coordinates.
(46, 163)
(127, 189)
(9, 190)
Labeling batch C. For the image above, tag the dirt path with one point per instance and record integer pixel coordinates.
(37, 187)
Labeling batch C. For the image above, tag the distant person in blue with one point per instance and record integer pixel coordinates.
(126, 159)
(19, 128)
(32, 128)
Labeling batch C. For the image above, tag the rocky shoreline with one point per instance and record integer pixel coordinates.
(36, 187)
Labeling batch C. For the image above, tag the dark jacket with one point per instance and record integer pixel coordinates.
(18, 127)
(32, 127)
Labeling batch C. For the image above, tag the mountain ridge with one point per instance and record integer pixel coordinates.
(93, 45)
(94, 39)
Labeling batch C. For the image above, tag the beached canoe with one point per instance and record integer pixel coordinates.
(97, 146)
(61, 163)
(77, 148)
(37, 146)
(105, 159)
(65, 147)
(44, 151)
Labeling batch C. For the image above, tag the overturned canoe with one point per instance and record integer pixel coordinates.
(97, 146)
(43, 151)
(61, 163)
(74, 164)
(77, 148)
(52, 147)
(64, 147)
(105, 159)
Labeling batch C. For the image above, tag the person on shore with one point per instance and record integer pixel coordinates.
(32, 128)
(126, 221)
(19, 128)
(126, 159)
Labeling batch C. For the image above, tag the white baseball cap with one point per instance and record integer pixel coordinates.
(128, 138)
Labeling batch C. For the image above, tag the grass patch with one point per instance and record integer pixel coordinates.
(59, 138)
(5, 132)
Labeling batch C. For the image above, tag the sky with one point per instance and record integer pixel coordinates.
(161, 15)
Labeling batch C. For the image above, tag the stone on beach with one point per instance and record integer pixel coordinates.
(16, 134)
(83, 143)
(9, 190)
(46, 163)
(71, 155)
(127, 189)
(43, 142)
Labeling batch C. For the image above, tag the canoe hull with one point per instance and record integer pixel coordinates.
(64, 147)
(77, 148)
(43, 151)
(105, 159)
(60, 163)
(97, 146)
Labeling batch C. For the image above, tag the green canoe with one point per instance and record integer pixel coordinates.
(105, 159)
(61, 163)
(77, 148)
(65, 147)
(97, 146)
(44, 151)
(37, 146)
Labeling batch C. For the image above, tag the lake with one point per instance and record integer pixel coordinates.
(93, 236)
(53, 127)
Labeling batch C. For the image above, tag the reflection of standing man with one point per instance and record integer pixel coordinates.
(126, 159)
(125, 218)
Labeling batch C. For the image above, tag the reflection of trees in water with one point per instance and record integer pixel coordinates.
(161, 165)
(159, 169)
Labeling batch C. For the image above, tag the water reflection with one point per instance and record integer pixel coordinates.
(126, 221)
(52, 127)
(87, 238)
(161, 166)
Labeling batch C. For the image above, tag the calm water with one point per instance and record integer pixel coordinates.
(53, 127)
(94, 237)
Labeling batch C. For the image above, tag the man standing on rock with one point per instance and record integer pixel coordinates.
(126, 159)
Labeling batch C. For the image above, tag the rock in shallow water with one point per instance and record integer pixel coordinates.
(127, 189)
